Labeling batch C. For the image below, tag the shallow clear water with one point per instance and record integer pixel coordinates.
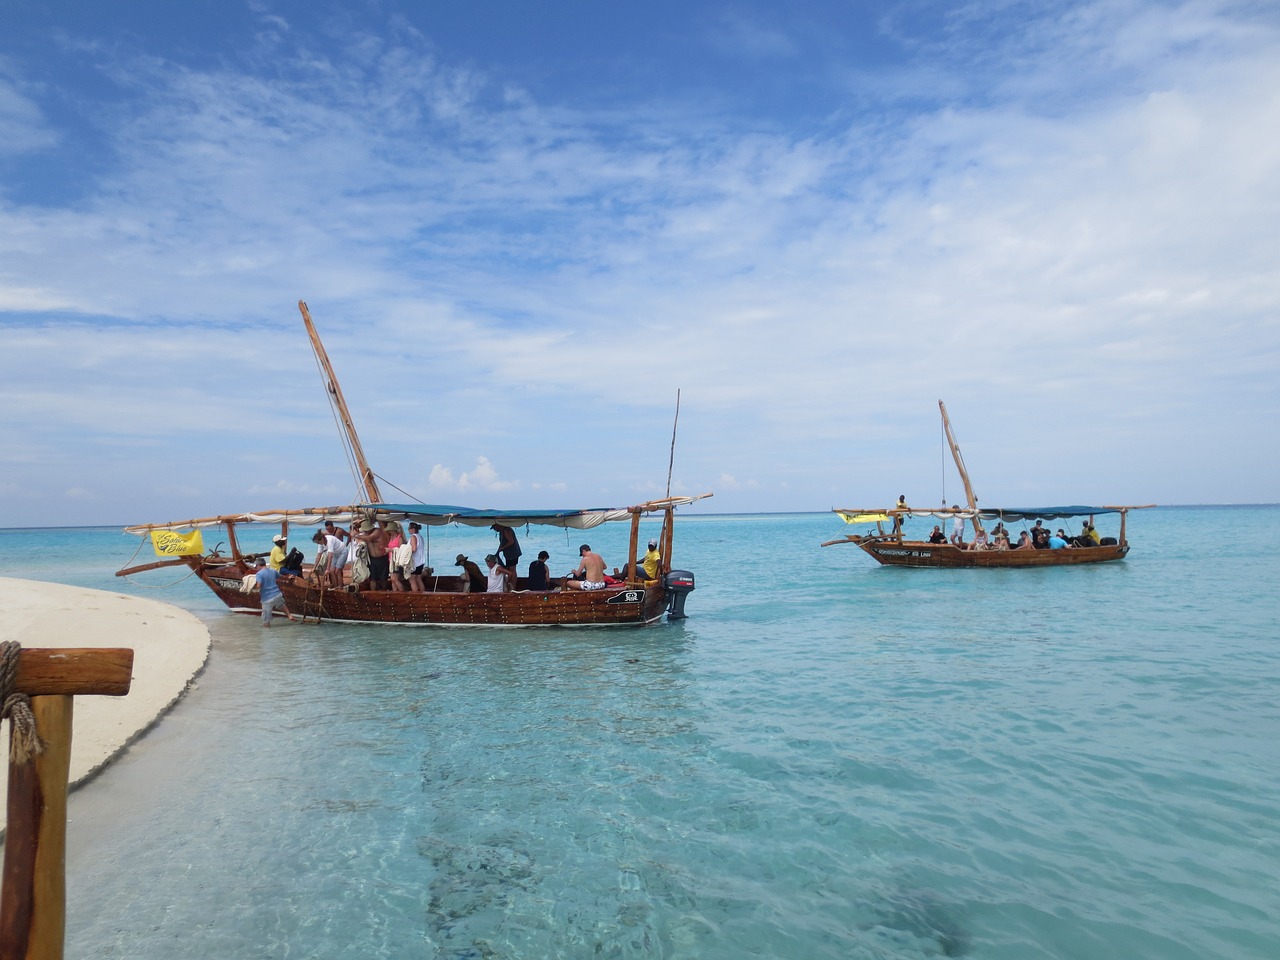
(828, 759)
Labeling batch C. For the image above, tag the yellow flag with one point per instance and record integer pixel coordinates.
(171, 543)
(863, 517)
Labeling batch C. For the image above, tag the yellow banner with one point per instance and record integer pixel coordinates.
(863, 517)
(171, 543)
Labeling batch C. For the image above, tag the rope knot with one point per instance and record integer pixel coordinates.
(24, 742)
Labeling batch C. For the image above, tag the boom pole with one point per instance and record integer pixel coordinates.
(344, 415)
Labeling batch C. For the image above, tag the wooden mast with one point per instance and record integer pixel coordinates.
(964, 474)
(331, 384)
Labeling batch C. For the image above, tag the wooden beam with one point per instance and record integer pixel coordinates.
(68, 671)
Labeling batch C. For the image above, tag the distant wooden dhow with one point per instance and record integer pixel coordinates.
(892, 548)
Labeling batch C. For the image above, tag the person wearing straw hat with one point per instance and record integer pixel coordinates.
(473, 578)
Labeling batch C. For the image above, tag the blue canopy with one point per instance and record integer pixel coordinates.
(433, 515)
(1016, 514)
(440, 514)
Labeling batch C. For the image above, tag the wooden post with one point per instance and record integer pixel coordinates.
(33, 897)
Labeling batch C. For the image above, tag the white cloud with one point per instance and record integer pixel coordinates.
(441, 478)
(484, 477)
(1052, 242)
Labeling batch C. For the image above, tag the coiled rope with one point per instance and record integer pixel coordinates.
(25, 741)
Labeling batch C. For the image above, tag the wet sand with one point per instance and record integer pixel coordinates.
(170, 647)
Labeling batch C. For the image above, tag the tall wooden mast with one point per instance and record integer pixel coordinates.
(964, 474)
(344, 415)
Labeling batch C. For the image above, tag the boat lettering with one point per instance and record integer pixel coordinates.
(907, 553)
(627, 596)
(226, 584)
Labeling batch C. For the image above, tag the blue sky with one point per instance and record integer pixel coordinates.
(521, 228)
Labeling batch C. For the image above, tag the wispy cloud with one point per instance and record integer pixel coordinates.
(1066, 225)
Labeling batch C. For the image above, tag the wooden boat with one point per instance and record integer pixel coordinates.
(629, 601)
(892, 548)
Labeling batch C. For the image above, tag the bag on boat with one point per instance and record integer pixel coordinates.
(402, 557)
(248, 583)
(360, 564)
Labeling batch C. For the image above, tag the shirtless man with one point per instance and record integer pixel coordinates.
(591, 570)
(375, 538)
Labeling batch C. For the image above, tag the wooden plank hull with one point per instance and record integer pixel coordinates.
(920, 553)
(613, 606)
(224, 581)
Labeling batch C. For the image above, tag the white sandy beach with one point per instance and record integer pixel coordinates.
(170, 646)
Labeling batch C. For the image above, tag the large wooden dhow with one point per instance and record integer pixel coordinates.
(632, 600)
(887, 543)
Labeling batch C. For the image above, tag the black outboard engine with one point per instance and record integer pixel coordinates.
(679, 586)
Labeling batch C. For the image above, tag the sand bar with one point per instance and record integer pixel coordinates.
(170, 647)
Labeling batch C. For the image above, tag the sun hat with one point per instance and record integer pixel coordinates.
(279, 538)
(461, 559)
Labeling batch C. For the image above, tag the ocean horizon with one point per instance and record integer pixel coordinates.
(827, 759)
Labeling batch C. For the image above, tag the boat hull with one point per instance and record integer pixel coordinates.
(913, 553)
(611, 607)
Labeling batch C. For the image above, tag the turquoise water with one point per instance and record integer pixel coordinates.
(828, 759)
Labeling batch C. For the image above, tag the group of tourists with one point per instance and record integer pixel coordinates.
(385, 556)
(1038, 537)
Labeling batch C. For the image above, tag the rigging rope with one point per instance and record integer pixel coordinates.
(347, 450)
(25, 741)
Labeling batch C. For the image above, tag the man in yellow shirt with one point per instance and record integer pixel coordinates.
(652, 561)
(277, 552)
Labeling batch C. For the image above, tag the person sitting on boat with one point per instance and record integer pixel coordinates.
(1001, 540)
(1088, 535)
(1058, 540)
(1024, 540)
(937, 536)
(279, 542)
(980, 541)
(648, 566)
(590, 572)
(498, 577)
(539, 577)
(1040, 536)
(957, 528)
(651, 562)
(374, 538)
(473, 579)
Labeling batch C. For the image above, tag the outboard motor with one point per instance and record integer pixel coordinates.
(679, 586)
